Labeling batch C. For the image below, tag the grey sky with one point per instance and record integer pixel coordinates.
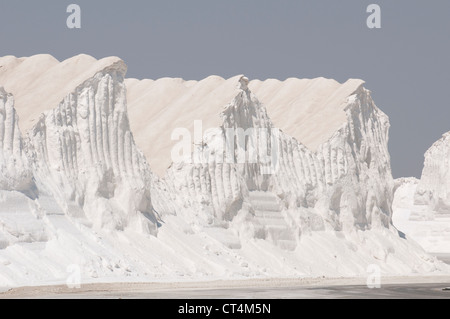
(405, 64)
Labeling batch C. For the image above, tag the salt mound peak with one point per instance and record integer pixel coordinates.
(40, 82)
(326, 212)
(85, 157)
(14, 171)
(243, 81)
(310, 110)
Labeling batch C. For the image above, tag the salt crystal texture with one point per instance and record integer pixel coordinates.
(76, 189)
(422, 207)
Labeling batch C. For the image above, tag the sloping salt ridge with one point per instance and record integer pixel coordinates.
(311, 110)
(40, 82)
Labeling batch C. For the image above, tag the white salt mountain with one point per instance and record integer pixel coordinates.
(345, 183)
(423, 206)
(84, 193)
(309, 110)
(82, 173)
(83, 153)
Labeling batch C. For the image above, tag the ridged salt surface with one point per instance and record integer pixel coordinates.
(91, 199)
(423, 206)
(310, 110)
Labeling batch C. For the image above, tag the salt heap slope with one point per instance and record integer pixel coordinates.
(82, 194)
(344, 167)
(79, 140)
(338, 196)
(38, 83)
(14, 173)
(426, 215)
(76, 171)
(309, 110)
(17, 221)
(434, 186)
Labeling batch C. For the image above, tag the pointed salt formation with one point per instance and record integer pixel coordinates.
(422, 207)
(298, 165)
(84, 155)
(40, 82)
(18, 222)
(14, 171)
(340, 181)
(434, 186)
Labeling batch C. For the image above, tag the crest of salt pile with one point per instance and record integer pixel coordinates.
(83, 192)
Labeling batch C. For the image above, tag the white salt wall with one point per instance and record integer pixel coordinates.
(310, 110)
(422, 208)
(433, 197)
(429, 228)
(84, 153)
(434, 187)
(345, 185)
(77, 191)
(14, 171)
